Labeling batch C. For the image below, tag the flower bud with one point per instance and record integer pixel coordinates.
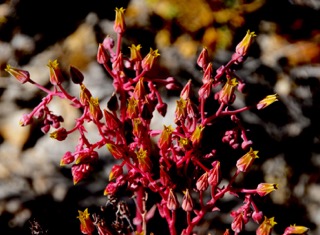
(102, 55)
(22, 76)
(56, 76)
(108, 43)
(76, 75)
(25, 120)
(60, 134)
(187, 204)
(110, 189)
(172, 201)
(186, 91)
(80, 171)
(85, 95)
(202, 183)
(117, 151)
(67, 159)
(115, 172)
(162, 108)
(214, 174)
(203, 59)
(257, 216)
(113, 102)
(267, 101)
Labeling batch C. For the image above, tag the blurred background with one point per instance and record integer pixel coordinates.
(284, 59)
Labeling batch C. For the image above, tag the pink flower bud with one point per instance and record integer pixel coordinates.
(203, 59)
(257, 216)
(172, 201)
(22, 76)
(66, 159)
(202, 183)
(187, 204)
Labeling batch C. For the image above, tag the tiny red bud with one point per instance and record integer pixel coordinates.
(60, 134)
(187, 204)
(115, 172)
(76, 76)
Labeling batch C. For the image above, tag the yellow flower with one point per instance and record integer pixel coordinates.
(55, 73)
(143, 159)
(94, 109)
(197, 134)
(267, 101)
(165, 137)
(294, 229)
(266, 227)
(135, 54)
(119, 23)
(266, 188)
(22, 76)
(148, 61)
(246, 160)
(243, 46)
(226, 95)
(86, 225)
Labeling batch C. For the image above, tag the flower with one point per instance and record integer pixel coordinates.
(226, 95)
(266, 227)
(94, 109)
(148, 60)
(243, 46)
(267, 101)
(165, 137)
(135, 54)
(85, 95)
(132, 107)
(22, 76)
(143, 159)
(119, 23)
(197, 134)
(246, 160)
(294, 229)
(56, 76)
(180, 111)
(86, 225)
(266, 188)
(139, 91)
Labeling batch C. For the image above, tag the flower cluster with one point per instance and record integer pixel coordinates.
(172, 164)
